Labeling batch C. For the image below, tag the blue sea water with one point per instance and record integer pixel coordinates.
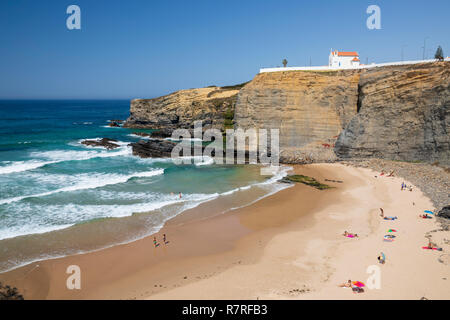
(49, 181)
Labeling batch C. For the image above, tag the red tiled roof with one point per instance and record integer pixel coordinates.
(348, 54)
(355, 59)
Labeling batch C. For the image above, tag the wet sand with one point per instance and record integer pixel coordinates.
(288, 245)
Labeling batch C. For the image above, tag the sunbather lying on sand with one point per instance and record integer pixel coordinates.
(432, 246)
(390, 218)
(425, 216)
(350, 235)
(347, 284)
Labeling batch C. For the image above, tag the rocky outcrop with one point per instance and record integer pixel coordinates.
(445, 212)
(309, 108)
(182, 108)
(161, 148)
(105, 142)
(403, 114)
(392, 112)
(153, 148)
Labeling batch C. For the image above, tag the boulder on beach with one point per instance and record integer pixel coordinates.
(445, 212)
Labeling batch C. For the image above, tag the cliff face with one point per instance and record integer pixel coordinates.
(182, 108)
(404, 114)
(396, 112)
(309, 108)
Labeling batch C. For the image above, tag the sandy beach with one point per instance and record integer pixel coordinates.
(286, 246)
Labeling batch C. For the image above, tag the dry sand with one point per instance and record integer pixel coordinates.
(286, 246)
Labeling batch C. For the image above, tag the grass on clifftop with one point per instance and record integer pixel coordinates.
(308, 181)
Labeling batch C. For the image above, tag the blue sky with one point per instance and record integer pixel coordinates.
(144, 48)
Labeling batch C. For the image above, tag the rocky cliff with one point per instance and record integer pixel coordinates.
(180, 109)
(396, 112)
(309, 108)
(403, 114)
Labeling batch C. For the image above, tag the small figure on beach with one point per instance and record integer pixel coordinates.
(347, 284)
(381, 258)
(432, 246)
(155, 243)
(390, 218)
(180, 195)
(350, 235)
(425, 216)
(382, 213)
(403, 185)
(165, 239)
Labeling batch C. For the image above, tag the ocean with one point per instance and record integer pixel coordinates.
(59, 197)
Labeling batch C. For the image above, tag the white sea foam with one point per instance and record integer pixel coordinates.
(89, 181)
(19, 166)
(78, 213)
(55, 156)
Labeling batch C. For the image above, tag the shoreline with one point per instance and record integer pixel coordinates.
(82, 238)
(264, 254)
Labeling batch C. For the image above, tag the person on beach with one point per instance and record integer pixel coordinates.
(350, 235)
(180, 195)
(382, 213)
(381, 258)
(164, 239)
(347, 284)
(155, 243)
(424, 216)
(432, 246)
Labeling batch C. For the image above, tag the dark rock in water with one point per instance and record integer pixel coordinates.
(141, 134)
(153, 148)
(114, 124)
(445, 212)
(105, 142)
(161, 148)
(162, 133)
(118, 121)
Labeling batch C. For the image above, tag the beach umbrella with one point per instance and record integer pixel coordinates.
(428, 211)
(358, 284)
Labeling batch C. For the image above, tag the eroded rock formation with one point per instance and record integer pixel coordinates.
(404, 114)
(180, 109)
(309, 108)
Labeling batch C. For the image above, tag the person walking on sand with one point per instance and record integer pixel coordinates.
(165, 239)
(382, 213)
(155, 243)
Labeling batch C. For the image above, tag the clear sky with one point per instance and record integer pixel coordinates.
(146, 48)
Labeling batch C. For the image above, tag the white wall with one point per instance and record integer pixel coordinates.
(323, 68)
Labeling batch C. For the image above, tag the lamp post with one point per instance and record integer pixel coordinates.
(403, 46)
(424, 46)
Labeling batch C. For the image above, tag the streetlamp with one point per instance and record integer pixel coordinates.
(424, 46)
(403, 46)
